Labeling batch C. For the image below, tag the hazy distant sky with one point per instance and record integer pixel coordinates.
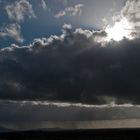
(68, 60)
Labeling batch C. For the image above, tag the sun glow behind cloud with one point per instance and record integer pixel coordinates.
(120, 30)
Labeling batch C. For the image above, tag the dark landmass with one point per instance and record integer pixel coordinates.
(100, 134)
(3, 129)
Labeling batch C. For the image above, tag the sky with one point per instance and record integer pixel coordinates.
(65, 61)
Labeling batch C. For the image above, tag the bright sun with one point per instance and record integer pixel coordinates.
(117, 32)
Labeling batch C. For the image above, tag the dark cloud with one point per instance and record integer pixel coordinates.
(78, 66)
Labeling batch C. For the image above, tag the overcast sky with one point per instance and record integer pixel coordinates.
(68, 60)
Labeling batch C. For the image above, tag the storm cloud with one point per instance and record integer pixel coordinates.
(77, 66)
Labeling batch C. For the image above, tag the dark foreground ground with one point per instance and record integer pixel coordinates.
(107, 134)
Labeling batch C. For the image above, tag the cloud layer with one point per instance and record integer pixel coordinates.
(77, 66)
(80, 75)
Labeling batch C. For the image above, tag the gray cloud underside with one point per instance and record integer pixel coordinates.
(34, 115)
(45, 111)
(77, 66)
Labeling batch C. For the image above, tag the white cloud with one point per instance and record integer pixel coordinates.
(12, 31)
(44, 5)
(70, 11)
(18, 10)
(67, 26)
(127, 23)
